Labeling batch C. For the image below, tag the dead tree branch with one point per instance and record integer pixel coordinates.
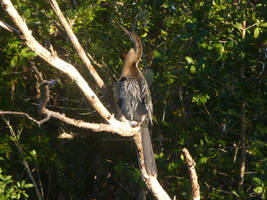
(243, 146)
(10, 28)
(150, 181)
(84, 57)
(243, 125)
(192, 173)
(76, 44)
(2, 112)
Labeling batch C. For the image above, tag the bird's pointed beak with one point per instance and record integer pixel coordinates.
(125, 30)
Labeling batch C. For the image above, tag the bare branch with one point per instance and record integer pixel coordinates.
(93, 126)
(2, 112)
(192, 173)
(78, 123)
(251, 26)
(150, 181)
(156, 189)
(210, 115)
(76, 43)
(10, 28)
(84, 57)
(243, 124)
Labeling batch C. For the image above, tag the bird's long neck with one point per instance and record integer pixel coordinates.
(131, 69)
(138, 46)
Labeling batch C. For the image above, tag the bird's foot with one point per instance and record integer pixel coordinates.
(134, 123)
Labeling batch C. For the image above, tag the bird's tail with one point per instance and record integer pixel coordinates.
(148, 154)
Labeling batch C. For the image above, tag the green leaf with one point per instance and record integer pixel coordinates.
(156, 54)
(201, 142)
(144, 35)
(264, 24)
(14, 61)
(27, 53)
(203, 160)
(27, 13)
(218, 46)
(8, 178)
(22, 183)
(256, 181)
(258, 190)
(235, 193)
(165, 4)
(161, 155)
(238, 26)
(200, 99)
(256, 32)
(193, 69)
(189, 60)
(28, 185)
(13, 195)
(170, 166)
(25, 195)
(2, 197)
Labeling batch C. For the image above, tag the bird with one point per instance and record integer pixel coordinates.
(135, 100)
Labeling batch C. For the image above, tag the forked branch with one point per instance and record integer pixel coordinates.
(63, 66)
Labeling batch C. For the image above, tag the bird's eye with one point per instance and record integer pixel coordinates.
(122, 79)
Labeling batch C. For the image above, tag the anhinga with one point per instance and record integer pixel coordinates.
(135, 99)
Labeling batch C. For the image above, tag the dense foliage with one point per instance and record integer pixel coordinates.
(208, 59)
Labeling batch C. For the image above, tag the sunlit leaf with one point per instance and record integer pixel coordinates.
(27, 13)
(189, 60)
(235, 193)
(203, 160)
(256, 32)
(193, 69)
(28, 185)
(156, 54)
(258, 190)
(14, 61)
(238, 26)
(256, 181)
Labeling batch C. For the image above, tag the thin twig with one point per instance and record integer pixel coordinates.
(2, 112)
(10, 28)
(243, 125)
(210, 115)
(76, 43)
(24, 162)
